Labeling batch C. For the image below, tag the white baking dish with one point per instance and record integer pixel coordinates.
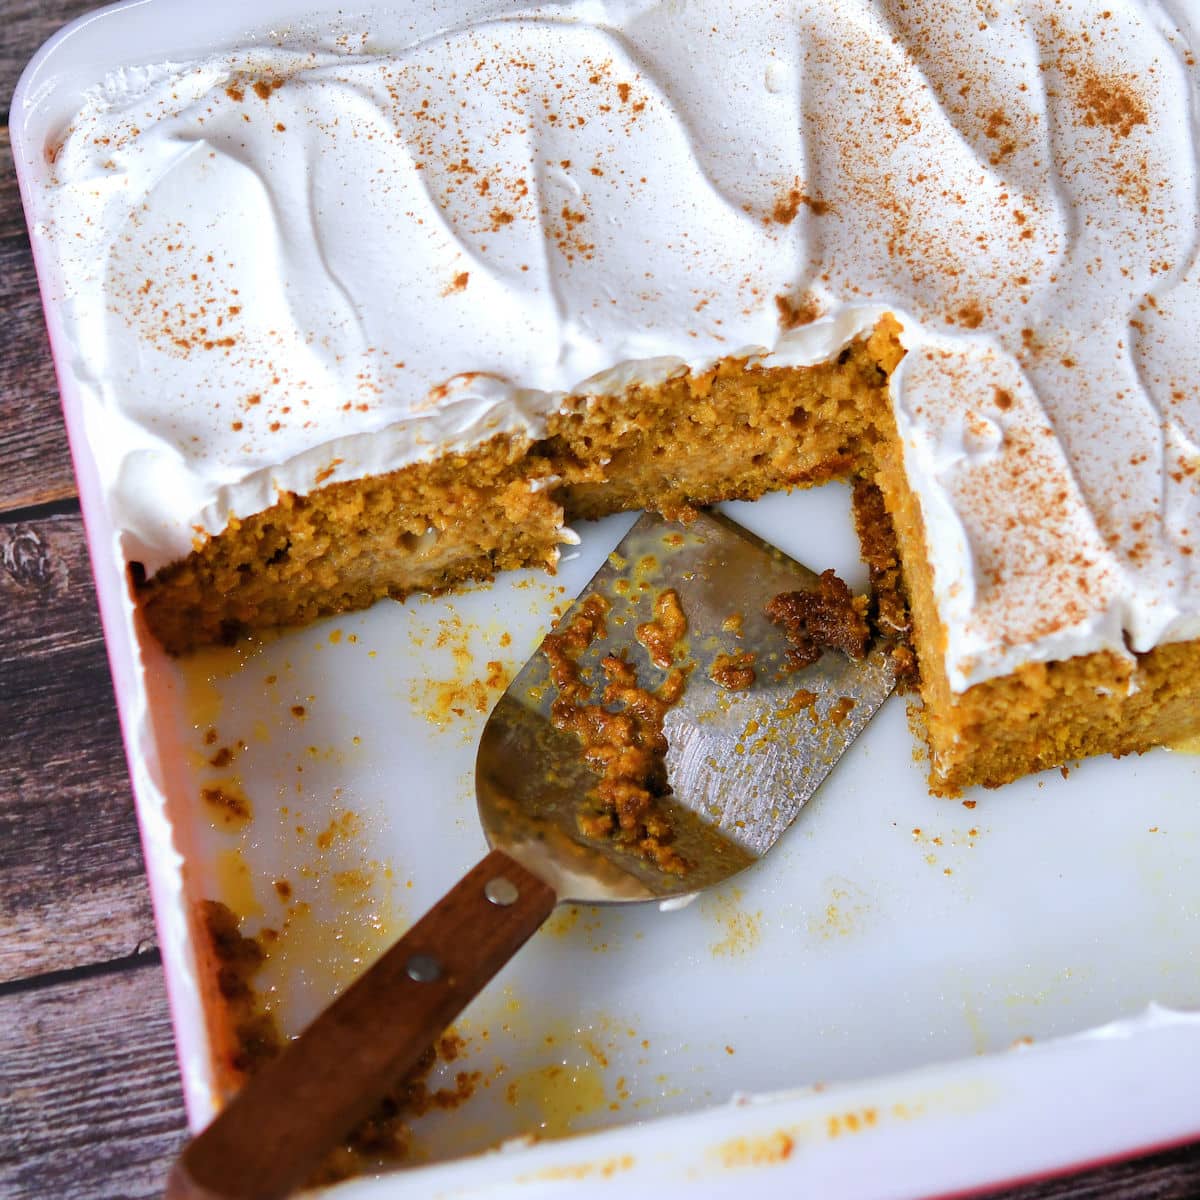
(910, 997)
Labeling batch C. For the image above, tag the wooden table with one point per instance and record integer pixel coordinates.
(90, 1103)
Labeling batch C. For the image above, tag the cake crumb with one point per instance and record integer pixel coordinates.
(733, 672)
(624, 742)
(661, 637)
(829, 617)
(229, 804)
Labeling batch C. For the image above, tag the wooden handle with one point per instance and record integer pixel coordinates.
(279, 1127)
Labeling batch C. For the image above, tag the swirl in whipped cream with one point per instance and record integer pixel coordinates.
(285, 266)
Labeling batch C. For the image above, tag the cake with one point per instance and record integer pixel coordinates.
(354, 320)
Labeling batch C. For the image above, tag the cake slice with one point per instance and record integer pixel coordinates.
(731, 432)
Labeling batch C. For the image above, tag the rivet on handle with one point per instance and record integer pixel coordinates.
(423, 968)
(501, 891)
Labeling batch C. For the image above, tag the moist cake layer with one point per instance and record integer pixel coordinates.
(734, 431)
(1040, 715)
(295, 265)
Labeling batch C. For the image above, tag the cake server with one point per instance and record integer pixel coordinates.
(740, 765)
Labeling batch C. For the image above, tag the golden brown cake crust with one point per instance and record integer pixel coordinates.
(1043, 714)
(735, 431)
(425, 528)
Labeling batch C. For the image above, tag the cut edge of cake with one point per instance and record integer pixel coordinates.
(735, 431)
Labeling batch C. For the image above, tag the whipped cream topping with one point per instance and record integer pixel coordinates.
(292, 264)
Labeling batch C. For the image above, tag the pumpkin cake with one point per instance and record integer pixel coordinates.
(359, 320)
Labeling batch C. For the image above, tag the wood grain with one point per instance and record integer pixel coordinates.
(12, 218)
(27, 24)
(46, 591)
(33, 443)
(1171, 1175)
(90, 1104)
(72, 887)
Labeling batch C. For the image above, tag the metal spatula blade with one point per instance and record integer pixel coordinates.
(740, 766)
